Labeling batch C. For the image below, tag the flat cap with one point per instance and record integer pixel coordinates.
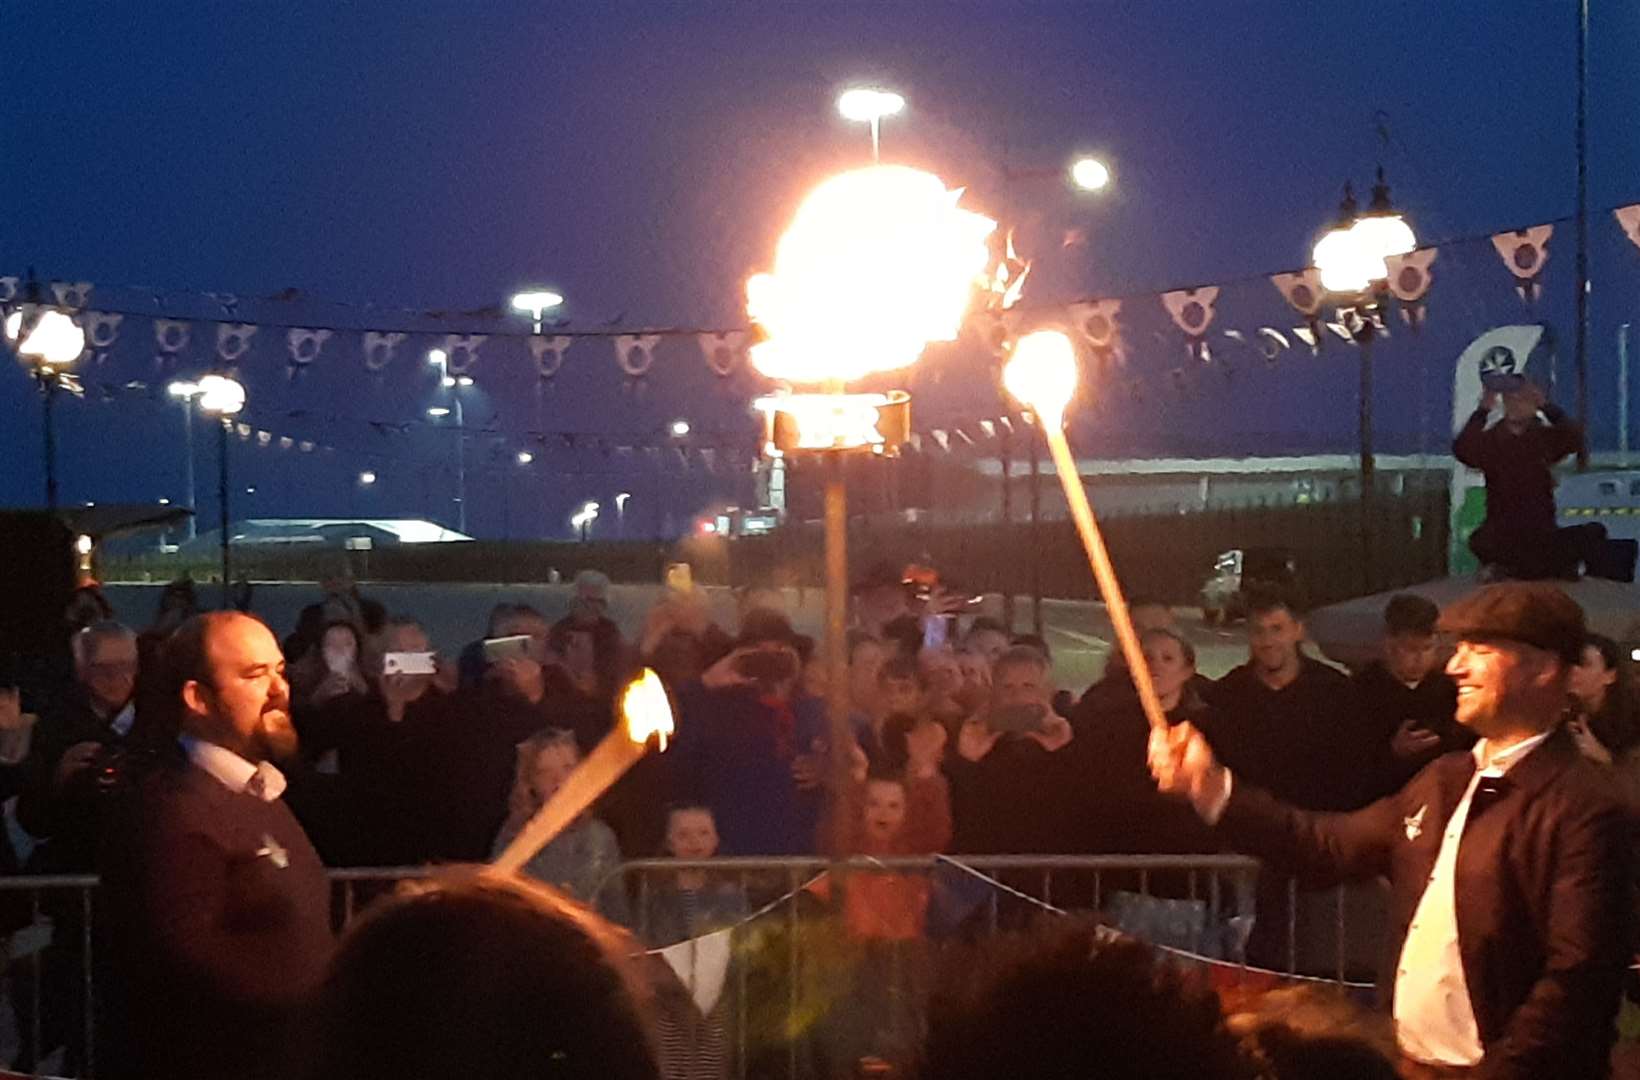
(1533, 613)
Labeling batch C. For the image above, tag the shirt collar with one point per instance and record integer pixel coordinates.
(1496, 764)
(124, 720)
(234, 772)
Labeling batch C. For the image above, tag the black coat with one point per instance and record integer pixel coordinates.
(218, 931)
(1543, 901)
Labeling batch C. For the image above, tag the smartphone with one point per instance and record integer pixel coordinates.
(936, 631)
(408, 663)
(767, 667)
(512, 647)
(680, 577)
(1016, 718)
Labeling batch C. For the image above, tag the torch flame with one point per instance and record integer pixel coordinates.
(877, 263)
(646, 709)
(1042, 374)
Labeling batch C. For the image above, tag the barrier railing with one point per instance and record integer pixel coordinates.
(1201, 905)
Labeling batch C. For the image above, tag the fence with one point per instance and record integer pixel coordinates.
(1164, 555)
(790, 995)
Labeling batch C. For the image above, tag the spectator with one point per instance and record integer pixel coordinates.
(750, 598)
(478, 975)
(1406, 701)
(1117, 809)
(342, 602)
(888, 814)
(1115, 683)
(330, 668)
(881, 598)
(1315, 1033)
(750, 747)
(219, 911)
(975, 691)
(391, 745)
(1008, 775)
(582, 860)
(471, 663)
(589, 614)
(680, 640)
(1604, 720)
(942, 681)
(1519, 537)
(1066, 1001)
(899, 692)
(987, 637)
(865, 660)
(691, 902)
(1286, 721)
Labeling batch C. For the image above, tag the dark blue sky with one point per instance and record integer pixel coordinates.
(643, 158)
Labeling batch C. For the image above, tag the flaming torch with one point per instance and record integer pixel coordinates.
(645, 712)
(877, 263)
(1042, 375)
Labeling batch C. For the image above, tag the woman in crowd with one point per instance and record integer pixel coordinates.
(1603, 718)
(582, 859)
(470, 974)
(330, 668)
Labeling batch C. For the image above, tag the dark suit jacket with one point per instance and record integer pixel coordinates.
(1543, 901)
(215, 945)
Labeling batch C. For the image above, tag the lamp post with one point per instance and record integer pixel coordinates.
(1087, 175)
(620, 513)
(583, 518)
(1350, 258)
(187, 392)
(869, 105)
(876, 263)
(222, 397)
(49, 342)
(440, 359)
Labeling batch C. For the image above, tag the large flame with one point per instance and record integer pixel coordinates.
(1042, 375)
(646, 709)
(877, 263)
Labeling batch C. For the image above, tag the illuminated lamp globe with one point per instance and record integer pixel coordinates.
(220, 395)
(1089, 174)
(863, 104)
(54, 339)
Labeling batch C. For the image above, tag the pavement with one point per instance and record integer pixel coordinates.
(1078, 632)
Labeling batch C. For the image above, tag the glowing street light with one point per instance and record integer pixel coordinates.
(679, 428)
(869, 105)
(1089, 174)
(524, 457)
(535, 302)
(437, 411)
(1351, 260)
(367, 478)
(620, 513)
(454, 383)
(47, 340)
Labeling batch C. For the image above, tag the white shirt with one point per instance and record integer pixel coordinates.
(235, 773)
(1434, 1020)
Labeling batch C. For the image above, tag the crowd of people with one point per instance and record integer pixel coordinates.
(359, 746)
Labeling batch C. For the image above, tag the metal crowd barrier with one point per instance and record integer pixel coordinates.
(1223, 885)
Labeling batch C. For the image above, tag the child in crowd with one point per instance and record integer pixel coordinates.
(899, 692)
(583, 858)
(692, 902)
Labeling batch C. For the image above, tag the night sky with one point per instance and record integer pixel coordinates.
(642, 159)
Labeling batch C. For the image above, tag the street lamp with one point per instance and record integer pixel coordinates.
(877, 263)
(1350, 259)
(222, 397)
(48, 341)
(620, 513)
(583, 518)
(440, 359)
(367, 478)
(535, 302)
(679, 428)
(187, 392)
(525, 457)
(868, 105)
(1089, 174)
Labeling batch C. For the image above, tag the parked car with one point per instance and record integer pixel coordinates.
(1238, 569)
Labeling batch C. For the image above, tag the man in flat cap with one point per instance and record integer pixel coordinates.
(1508, 863)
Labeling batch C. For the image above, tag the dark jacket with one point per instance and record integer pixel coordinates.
(1301, 741)
(1385, 703)
(67, 818)
(218, 928)
(1543, 902)
(1520, 489)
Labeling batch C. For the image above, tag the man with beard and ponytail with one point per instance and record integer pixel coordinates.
(219, 911)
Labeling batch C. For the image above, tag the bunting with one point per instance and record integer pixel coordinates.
(1524, 252)
(1192, 312)
(1409, 281)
